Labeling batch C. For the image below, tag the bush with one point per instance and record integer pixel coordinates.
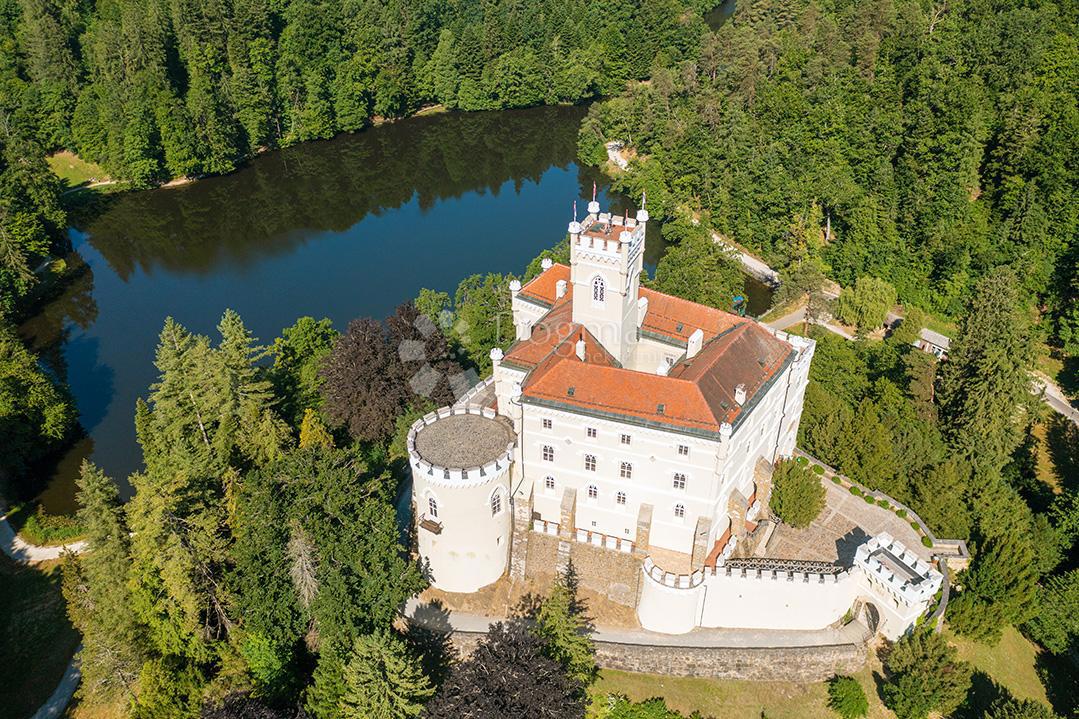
(847, 698)
(901, 513)
(42, 528)
(835, 479)
(797, 495)
(820, 470)
(926, 541)
(883, 503)
(801, 461)
(917, 527)
(855, 491)
(868, 499)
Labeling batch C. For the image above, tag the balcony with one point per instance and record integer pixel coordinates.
(431, 524)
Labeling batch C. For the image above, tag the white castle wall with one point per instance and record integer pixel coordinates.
(766, 599)
(472, 548)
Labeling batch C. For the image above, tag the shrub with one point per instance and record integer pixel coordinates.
(797, 496)
(855, 491)
(42, 528)
(820, 470)
(883, 503)
(901, 513)
(847, 698)
(801, 461)
(917, 527)
(868, 499)
(926, 541)
(835, 479)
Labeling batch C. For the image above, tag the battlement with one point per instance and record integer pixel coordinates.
(899, 571)
(460, 446)
(756, 570)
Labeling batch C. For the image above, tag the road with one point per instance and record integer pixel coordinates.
(25, 553)
(60, 698)
(753, 265)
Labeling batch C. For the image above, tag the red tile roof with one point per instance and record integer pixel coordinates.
(698, 394)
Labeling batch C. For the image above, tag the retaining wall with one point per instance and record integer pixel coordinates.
(798, 664)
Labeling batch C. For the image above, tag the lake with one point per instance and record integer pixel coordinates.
(341, 229)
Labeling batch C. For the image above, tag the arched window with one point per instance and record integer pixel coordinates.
(679, 511)
(432, 506)
(620, 498)
(626, 471)
(549, 483)
(593, 492)
(496, 503)
(548, 453)
(679, 480)
(599, 289)
(590, 462)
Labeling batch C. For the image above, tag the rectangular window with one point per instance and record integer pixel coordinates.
(590, 462)
(683, 450)
(548, 453)
(679, 480)
(546, 424)
(592, 432)
(626, 471)
(626, 439)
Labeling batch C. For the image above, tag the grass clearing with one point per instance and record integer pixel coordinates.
(74, 170)
(1012, 663)
(37, 641)
(732, 699)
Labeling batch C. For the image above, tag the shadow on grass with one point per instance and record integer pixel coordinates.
(1060, 676)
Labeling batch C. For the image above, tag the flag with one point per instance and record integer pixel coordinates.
(575, 210)
(593, 191)
(642, 199)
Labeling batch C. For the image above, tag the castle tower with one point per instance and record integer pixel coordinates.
(606, 259)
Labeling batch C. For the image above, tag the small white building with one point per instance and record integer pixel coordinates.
(623, 419)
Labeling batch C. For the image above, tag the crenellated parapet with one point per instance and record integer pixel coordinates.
(456, 476)
(900, 572)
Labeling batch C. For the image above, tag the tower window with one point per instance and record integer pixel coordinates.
(548, 482)
(546, 424)
(592, 432)
(620, 498)
(679, 480)
(626, 439)
(599, 289)
(683, 450)
(679, 511)
(496, 503)
(432, 506)
(590, 462)
(593, 492)
(626, 471)
(548, 453)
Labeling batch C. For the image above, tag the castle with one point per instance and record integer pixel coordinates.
(634, 432)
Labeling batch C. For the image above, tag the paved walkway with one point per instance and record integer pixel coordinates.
(25, 553)
(60, 698)
(439, 619)
(753, 265)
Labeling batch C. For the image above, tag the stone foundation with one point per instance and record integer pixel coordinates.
(615, 575)
(793, 664)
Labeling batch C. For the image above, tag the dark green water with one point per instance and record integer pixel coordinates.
(339, 229)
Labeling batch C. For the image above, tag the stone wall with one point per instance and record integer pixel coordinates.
(615, 575)
(795, 664)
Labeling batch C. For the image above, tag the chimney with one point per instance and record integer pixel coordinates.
(693, 345)
(560, 289)
(580, 349)
(740, 394)
(546, 263)
(642, 310)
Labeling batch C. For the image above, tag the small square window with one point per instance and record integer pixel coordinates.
(546, 424)
(626, 439)
(626, 531)
(593, 522)
(592, 432)
(683, 450)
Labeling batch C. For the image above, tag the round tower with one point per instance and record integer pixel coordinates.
(460, 459)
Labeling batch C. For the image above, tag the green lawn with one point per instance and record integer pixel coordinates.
(74, 170)
(729, 699)
(36, 640)
(1011, 663)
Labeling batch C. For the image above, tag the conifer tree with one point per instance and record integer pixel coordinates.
(382, 680)
(313, 433)
(924, 676)
(561, 623)
(998, 589)
(98, 598)
(984, 384)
